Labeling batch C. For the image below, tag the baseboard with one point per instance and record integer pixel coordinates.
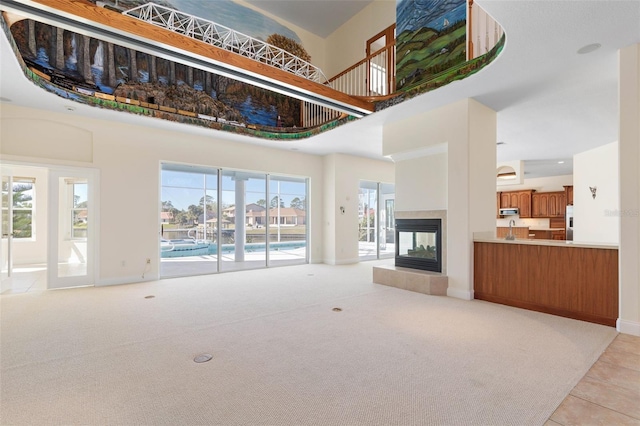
(341, 261)
(628, 327)
(460, 294)
(123, 280)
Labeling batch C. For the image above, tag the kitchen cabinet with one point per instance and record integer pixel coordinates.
(540, 234)
(540, 204)
(548, 204)
(558, 234)
(519, 232)
(524, 204)
(557, 204)
(516, 199)
(568, 192)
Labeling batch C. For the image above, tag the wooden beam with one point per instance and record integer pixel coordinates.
(85, 11)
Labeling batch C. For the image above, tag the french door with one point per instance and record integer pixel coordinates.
(72, 227)
(6, 240)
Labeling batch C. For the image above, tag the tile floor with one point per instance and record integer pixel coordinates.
(609, 394)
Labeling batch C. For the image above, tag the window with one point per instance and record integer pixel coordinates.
(79, 209)
(22, 204)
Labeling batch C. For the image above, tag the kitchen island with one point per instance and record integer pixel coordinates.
(574, 280)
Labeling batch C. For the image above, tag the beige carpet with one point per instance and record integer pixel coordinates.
(281, 355)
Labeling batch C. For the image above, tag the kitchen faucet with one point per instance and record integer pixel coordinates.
(510, 235)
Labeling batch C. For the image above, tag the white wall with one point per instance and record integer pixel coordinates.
(596, 219)
(629, 177)
(128, 158)
(421, 183)
(468, 129)
(542, 184)
(313, 44)
(343, 174)
(347, 45)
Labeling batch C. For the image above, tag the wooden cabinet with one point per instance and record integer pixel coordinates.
(568, 192)
(557, 204)
(516, 199)
(558, 235)
(540, 204)
(548, 204)
(524, 204)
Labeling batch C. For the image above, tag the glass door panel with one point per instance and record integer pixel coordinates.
(188, 220)
(367, 220)
(387, 233)
(6, 261)
(287, 221)
(72, 228)
(243, 235)
(376, 218)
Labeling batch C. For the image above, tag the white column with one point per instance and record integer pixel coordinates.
(241, 219)
(629, 161)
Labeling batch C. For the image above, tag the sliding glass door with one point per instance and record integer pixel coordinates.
(287, 220)
(376, 228)
(188, 221)
(244, 197)
(215, 220)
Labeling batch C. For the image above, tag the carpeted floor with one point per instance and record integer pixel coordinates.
(282, 355)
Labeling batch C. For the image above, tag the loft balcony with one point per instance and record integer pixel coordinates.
(200, 54)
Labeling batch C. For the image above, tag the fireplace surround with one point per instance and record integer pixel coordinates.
(419, 244)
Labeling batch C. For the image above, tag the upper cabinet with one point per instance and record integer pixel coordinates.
(516, 199)
(548, 204)
(536, 204)
(568, 192)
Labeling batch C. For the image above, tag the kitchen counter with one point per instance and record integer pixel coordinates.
(574, 280)
(489, 237)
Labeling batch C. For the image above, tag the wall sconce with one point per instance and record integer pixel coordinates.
(593, 191)
(341, 209)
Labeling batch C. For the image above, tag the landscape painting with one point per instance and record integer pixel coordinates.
(430, 41)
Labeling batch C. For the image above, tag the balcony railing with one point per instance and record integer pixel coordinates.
(372, 76)
(225, 38)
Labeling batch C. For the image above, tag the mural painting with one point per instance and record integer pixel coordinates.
(88, 65)
(430, 41)
(94, 72)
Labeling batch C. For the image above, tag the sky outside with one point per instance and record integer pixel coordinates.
(184, 188)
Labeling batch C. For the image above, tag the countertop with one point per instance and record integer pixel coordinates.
(489, 237)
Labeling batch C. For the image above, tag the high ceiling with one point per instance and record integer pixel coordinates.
(318, 17)
(552, 102)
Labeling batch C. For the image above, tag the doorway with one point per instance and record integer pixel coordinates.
(376, 220)
(48, 227)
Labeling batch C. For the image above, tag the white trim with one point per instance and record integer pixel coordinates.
(628, 327)
(460, 294)
(132, 279)
(342, 261)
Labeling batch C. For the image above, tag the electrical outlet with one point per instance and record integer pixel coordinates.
(148, 261)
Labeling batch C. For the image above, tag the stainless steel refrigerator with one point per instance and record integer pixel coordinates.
(569, 223)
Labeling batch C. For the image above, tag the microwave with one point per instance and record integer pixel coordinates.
(509, 212)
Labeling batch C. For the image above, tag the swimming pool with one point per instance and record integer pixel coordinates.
(189, 247)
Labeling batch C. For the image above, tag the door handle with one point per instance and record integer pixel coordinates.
(7, 235)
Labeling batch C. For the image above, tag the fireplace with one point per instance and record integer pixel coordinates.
(419, 244)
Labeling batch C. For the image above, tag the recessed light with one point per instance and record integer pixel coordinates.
(560, 162)
(589, 48)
